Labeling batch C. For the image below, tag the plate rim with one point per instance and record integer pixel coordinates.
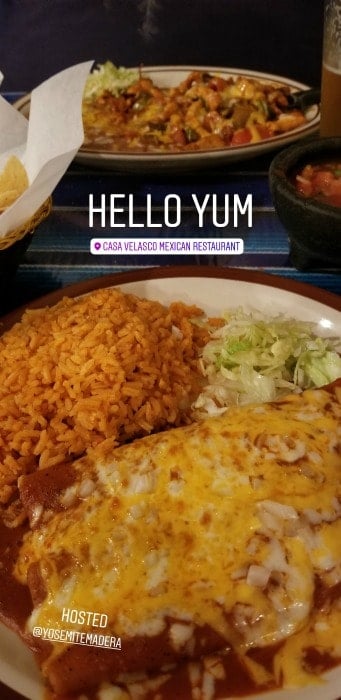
(304, 289)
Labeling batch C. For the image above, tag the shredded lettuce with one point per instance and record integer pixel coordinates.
(107, 77)
(257, 358)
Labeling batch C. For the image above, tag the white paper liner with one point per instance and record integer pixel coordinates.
(47, 143)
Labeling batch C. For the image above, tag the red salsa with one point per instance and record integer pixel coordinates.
(322, 181)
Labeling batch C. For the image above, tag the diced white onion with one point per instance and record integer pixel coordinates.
(208, 686)
(37, 512)
(180, 634)
(141, 483)
(281, 510)
(257, 576)
(214, 666)
(86, 488)
(69, 496)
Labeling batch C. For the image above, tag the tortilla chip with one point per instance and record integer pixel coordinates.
(13, 182)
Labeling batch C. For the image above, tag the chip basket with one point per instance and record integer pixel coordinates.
(15, 243)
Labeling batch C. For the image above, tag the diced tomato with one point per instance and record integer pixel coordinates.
(264, 131)
(304, 186)
(322, 180)
(217, 83)
(241, 136)
(178, 136)
(334, 195)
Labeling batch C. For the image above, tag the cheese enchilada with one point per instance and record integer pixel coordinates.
(208, 544)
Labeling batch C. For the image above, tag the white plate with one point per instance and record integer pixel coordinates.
(170, 76)
(213, 290)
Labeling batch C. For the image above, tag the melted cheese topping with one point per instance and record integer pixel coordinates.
(203, 112)
(226, 523)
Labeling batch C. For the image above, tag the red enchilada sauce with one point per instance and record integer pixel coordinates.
(237, 681)
(16, 605)
(15, 599)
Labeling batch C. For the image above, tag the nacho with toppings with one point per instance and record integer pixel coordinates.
(204, 112)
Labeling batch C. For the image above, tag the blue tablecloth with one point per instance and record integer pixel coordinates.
(59, 253)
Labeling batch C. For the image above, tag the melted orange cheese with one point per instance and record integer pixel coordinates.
(225, 523)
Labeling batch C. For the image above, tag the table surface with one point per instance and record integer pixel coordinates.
(59, 252)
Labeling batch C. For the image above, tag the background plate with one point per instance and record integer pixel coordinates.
(213, 290)
(169, 76)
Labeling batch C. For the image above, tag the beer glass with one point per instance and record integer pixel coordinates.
(331, 70)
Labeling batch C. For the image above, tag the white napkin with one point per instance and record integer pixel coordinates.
(47, 143)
